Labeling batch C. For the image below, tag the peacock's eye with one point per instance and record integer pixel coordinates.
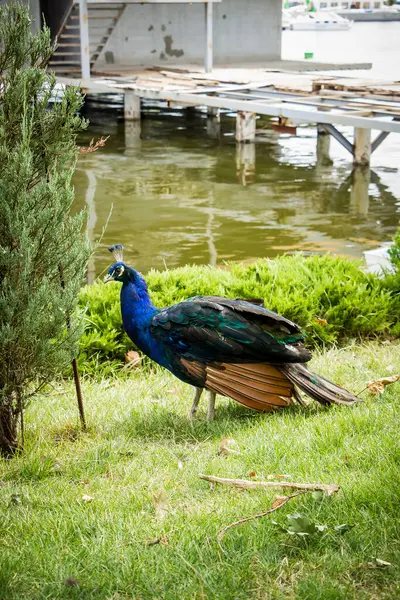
(119, 271)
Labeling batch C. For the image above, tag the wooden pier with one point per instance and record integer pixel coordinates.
(288, 98)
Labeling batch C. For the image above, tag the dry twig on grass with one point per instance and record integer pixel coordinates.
(251, 485)
(93, 146)
(277, 503)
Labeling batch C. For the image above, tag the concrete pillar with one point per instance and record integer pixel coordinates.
(245, 126)
(359, 195)
(208, 59)
(362, 146)
(132, 133)
(131, 107)
(323, 146)
(35, 14)
(245, 163)
(84, 37)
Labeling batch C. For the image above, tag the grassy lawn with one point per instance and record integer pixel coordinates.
(139, 463)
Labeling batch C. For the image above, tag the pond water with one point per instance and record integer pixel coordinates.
(172, 193)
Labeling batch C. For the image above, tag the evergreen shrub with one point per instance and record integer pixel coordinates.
(43, 248)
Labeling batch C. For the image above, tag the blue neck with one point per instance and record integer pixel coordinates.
(137, 311)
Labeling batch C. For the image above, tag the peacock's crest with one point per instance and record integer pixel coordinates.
(118, 252)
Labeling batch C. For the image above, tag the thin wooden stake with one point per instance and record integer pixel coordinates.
(78, 388)
(79, 394)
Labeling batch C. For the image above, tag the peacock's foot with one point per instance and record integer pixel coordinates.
(196, 401)
(211, 406)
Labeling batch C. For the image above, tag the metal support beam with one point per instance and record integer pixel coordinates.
(208, 61)
(338, 136)
(378, 140)
(84, 35)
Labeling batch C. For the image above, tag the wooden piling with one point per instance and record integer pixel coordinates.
(245, 126)
(245, 163)
(132, 133)
(323, 147)
(213, 112)
(362, 147)
(359, 195)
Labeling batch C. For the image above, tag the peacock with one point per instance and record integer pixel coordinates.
(234, 348)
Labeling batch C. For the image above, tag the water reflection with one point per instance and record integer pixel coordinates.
(180, 195)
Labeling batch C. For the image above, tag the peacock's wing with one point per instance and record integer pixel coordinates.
(209, 329)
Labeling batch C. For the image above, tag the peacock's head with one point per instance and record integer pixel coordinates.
(119, 271)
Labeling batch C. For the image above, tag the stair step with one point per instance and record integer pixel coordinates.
(67, 45)
(96, 17)
(76, 53)
(64, 63)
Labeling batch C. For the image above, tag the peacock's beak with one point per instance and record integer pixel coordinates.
(108, 278)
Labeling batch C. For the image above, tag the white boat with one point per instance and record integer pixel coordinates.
(319, 21)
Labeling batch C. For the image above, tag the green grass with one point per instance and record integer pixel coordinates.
(140, 444)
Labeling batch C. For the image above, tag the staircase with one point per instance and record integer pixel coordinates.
(103, 18)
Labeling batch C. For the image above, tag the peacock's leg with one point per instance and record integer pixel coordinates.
(211, 406)
(196, 401)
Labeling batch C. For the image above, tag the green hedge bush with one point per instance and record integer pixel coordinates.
(307, 290)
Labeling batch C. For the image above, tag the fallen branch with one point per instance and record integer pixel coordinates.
(93, 146)
(251, 485)
(277, 503)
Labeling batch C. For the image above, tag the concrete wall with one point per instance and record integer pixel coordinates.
(34, 6)
(244, 32)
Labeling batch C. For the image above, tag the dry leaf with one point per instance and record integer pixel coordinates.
(322, 322)
(87, 498)
(71, 582)
(279, 500)
(3, 483)
(252, 474)
(378, 386)
(163, 540)
(160, 502)
(225, 447)
(133, 360)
